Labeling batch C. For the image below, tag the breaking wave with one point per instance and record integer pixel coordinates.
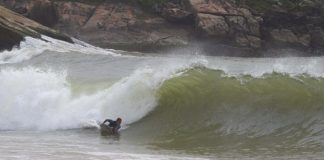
(180, 105)
(208, 108)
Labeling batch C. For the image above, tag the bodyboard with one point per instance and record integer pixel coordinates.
(106, 131)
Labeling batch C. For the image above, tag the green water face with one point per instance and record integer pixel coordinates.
(206, 112)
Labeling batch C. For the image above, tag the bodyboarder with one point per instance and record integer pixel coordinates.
(114, 125)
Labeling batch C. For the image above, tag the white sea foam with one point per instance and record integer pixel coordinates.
(258, 67)
(31, 47)
(33, 99)
(36, 99)
(133, 156)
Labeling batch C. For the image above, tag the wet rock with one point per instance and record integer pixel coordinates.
(72, 16)
(37, 10)
(255, 42)
(211, 25)
(14, 27)
(317, 39)
(283, 36)
(237, 24)
(20, 7)
(210, 7)
(305, 40)
(223, 20)
(176, 14)
(248, 41)
(124, 26)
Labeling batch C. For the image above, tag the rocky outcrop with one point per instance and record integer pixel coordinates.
(73, 16)
(14, 27)
(223, 20)
(300, 27)
(219, 27)
(176, 13)
(126, 27)
(112, 24)
(212, 26)
(285, 37)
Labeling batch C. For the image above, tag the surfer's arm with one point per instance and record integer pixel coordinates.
(107, 120)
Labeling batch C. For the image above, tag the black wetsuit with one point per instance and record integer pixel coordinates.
(113, 124)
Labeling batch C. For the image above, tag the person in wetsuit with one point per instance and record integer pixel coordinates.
(115, 125)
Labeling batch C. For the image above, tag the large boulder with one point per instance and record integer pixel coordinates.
(41, 11)
(37, 9)
(73, 16)
(224, 20)
(112, 24)
(299, 28)
(124, 26)
(14, 27)
(317, 40)
(283, 36)
(211, 7)
(17, 6)
(248, 41)
(212, 25)
(176, 13)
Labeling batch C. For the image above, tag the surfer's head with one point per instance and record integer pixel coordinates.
(119, 120)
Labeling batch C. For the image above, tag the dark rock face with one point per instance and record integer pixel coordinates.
(214, 25)
(176, 13)
(223, 21)
(37, 10)
(113, 24)
(42, 11)
(14, 27)
(73, 16)
(127, 27)
(8, 38)
(317, 40)
(298, 28)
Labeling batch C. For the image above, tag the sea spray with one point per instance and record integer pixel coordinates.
(31, 47)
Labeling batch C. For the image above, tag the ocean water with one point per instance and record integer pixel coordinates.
(174, 106)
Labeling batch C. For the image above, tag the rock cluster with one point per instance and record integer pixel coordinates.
(14, 28)
(221, 19)
(113, 24)
(301, 27)
(224, 25)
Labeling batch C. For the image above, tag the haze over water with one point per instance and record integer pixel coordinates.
(173, 106)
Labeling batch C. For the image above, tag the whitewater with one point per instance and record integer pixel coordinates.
(174, 105)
